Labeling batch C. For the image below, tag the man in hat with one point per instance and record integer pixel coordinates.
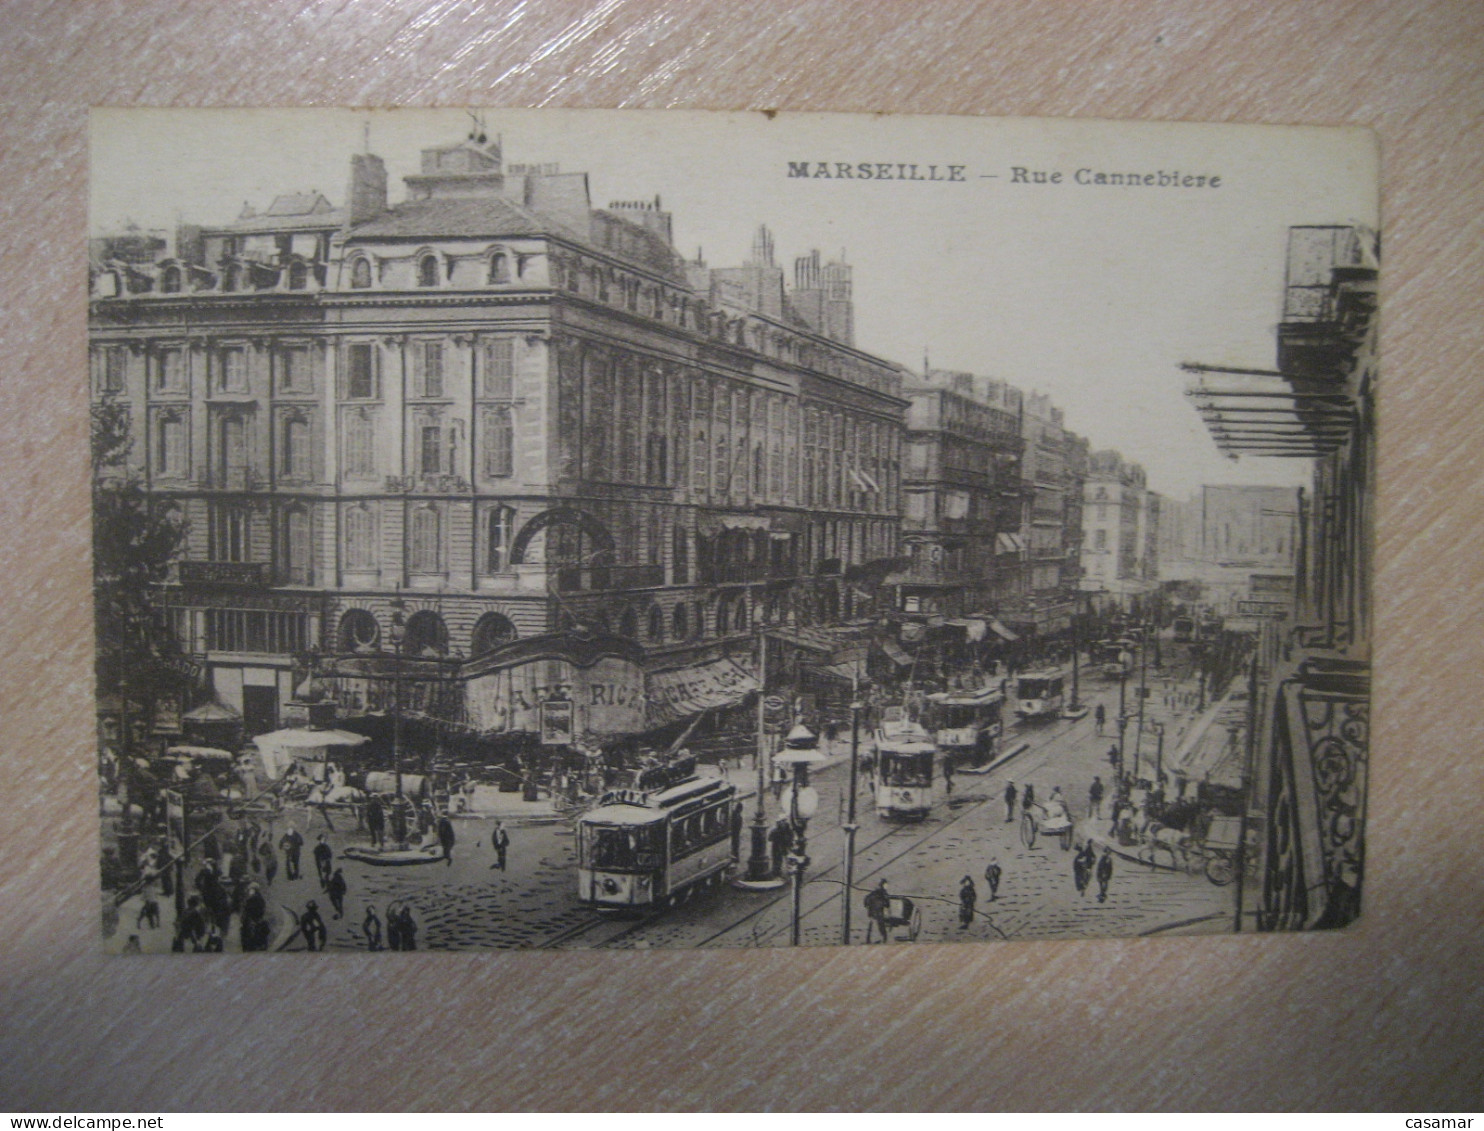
(324, 860)
(292, 843)
(500, 842)
(313, 927)
(1010, 795)
(878, 903)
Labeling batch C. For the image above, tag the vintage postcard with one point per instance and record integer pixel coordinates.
(524, 529)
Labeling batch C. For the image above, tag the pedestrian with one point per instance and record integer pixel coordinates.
(149, 911)
(292, 844)
(1028, 798)
(1081, 872)
(1010, 795)
(1095, 798)
(1113, 756)
(376, 823)
(992, 876)
(191, 926)
(948, 776)
(324, 859)
(371, 928)
(408, 929)
(780, 839)
(968, 895)
(270, 860)
(1100, 716)
(1105, 874)
(446, 838)
(254, 930)
(394, 926)
(399, 822)
(500, 842)
(313, 927)
(878, 903)
(336, 888)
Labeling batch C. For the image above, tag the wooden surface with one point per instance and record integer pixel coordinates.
(1387, 1015)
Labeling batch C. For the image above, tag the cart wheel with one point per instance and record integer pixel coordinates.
(1220, 870)
(914, 927)
(1066, 839)
(1028, 831)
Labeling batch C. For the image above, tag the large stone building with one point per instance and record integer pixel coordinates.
(961, 458)
(463, 438)
(1120, 520)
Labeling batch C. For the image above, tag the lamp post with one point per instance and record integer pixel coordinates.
(398, 635)
(759, 863)
(850, 826)
(801, 750)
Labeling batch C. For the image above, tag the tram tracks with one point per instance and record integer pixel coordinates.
(1041, 742)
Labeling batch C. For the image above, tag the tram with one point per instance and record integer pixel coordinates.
(1039, 694)
(640, 851)
(904, 768)
(966, 725)
(1114, 658)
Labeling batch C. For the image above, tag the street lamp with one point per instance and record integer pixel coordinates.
(759, 864)
(851, 827)
(397, 635)
(801, 750)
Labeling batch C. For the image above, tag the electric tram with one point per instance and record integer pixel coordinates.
(1039, 694)
(966, 725)
(904, 767)
(639, 850)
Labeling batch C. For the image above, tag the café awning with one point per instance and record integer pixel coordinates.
(683, 692)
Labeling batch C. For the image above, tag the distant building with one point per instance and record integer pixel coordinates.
(1116, 537)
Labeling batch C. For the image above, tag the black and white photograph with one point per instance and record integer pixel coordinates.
(532, 529)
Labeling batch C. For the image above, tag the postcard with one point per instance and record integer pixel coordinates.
(566, 529)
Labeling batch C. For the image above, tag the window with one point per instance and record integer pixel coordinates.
(359, 632)
(360, 273)
(628, 623)
(427, 369)
(360, 445)
(497, 376)
(233, 375)
(492, 631)
(427, 271)
(230, 534)
(171, 376)
(244, 630)
(681, 620)
(170, 458)
(499, 268)
(170, 280)
(917, 505)
(298, 275)
(360, 371)
(426, 635)
(296, 446)
(956, 504)
(111, 369)
(656, 624)
(233, 455)
(680, 551)
(360, 539)
(499, 443)
(425, 556)
(499, 530)
(293, 371)
(1100, 540)
(232, 278)
(430, 459)
(297, 545)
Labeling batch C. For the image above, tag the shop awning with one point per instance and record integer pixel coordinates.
(678, 694)
(847, 673)
(1001, 631)
(212, 712)
(895, 654)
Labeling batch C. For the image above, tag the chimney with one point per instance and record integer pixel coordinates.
(366, 196)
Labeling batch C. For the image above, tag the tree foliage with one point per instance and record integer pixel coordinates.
(135, 539)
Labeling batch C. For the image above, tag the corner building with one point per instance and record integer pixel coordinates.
(489, 435)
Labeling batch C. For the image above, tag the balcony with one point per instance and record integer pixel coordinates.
(251, 575)
(587, 579)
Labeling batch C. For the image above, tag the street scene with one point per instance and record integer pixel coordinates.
(477, 569)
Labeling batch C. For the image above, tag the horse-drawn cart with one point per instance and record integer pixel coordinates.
(1049, 819)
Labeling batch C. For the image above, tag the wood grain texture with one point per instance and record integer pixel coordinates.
(1387, 1015)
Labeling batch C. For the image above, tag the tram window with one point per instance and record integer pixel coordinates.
(622, 848)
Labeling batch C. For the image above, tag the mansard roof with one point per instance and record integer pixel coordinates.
(459, 217)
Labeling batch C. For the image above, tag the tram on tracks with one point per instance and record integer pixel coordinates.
(905, 754)
(1040, 694)
(967, 725)
(642, 851)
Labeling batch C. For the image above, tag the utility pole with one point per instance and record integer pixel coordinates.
(850, 825)
(1247, 774)
(759, 865)
(1143, 695)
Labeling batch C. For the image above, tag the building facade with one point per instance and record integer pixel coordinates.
(1118, 531)
(425, 434)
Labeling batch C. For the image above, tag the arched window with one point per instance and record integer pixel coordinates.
(491, 631)
(424, 556)
(739, 615)
(681, 622)
(500, 529)
(628, 623)
(360, 273)
(360, 539)
(359, 632)
(298, 275)
(425, 636)
(427, 271)
(231, 534)
(499, 271)
(723, 615)
(170, 280)
(656, 624)
(295, 455)
(297, 547)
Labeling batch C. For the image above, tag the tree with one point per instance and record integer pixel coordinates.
(135, 539)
